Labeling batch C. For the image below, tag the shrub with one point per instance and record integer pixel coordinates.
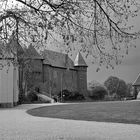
(98, 92)
(70, 96)
(22, 97)
(32, 96)
(76, 96)
(64, 95)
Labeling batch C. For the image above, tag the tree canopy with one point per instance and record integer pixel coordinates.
(96, 90)
(96, 27)
(112, 84)
(116, 86)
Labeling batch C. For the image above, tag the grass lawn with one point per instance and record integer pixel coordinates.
(122, 112)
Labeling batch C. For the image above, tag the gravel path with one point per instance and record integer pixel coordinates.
(16, 124)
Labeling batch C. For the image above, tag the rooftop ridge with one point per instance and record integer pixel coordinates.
(57, 59)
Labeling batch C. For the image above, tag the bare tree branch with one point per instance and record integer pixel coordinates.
(98, 26)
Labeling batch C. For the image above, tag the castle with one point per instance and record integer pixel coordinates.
(51, 71)
(54, 71)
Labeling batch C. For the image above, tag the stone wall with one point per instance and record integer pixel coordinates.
(37, 71)
(82, 79)
(57, 79)
(53, 79)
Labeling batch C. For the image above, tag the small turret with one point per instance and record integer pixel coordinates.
(79, 61)
(81, 67)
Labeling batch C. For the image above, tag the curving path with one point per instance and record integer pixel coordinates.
(16, 124)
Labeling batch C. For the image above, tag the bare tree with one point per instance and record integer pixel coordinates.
(97, 27)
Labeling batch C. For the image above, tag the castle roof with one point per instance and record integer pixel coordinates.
(10, 49)
(32, 53)
(57, 59)
(79, 60)
(137, 81)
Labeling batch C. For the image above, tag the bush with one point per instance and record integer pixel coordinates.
(77, 96)
(98, 92)
(22, 97)
(64, 95)
(70, 96)
(32, 96)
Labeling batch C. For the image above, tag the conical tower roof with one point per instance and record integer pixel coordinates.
(79, 60)
(32, 53)
(137, 81)
(11, 49)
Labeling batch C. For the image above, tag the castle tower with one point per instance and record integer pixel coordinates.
(81, 67)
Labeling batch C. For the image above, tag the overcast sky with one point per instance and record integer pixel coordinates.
(128, 70)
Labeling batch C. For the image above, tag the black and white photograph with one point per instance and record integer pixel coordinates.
(69, 69)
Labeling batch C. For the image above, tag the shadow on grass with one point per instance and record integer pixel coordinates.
(117, 112)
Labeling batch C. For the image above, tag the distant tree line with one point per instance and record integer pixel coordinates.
(113, 88)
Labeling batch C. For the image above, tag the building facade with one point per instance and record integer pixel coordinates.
(51, 72)
(9, 90)
(136, 86)
(54, 71)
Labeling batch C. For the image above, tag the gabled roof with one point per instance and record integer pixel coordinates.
(11, 49)
(15, 47)
(5, 53)
(57, 59)
(32, 53)
(79, 60)
(137, 81)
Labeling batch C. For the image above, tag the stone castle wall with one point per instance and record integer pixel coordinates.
(57, 79)
(54, 79)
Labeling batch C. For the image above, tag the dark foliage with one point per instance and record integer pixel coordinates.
(66, 95)
(112, 84)
(22, 97)
(98, 93)
(32, 96)
(122, 89)
(130, 90)
(116, 86)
